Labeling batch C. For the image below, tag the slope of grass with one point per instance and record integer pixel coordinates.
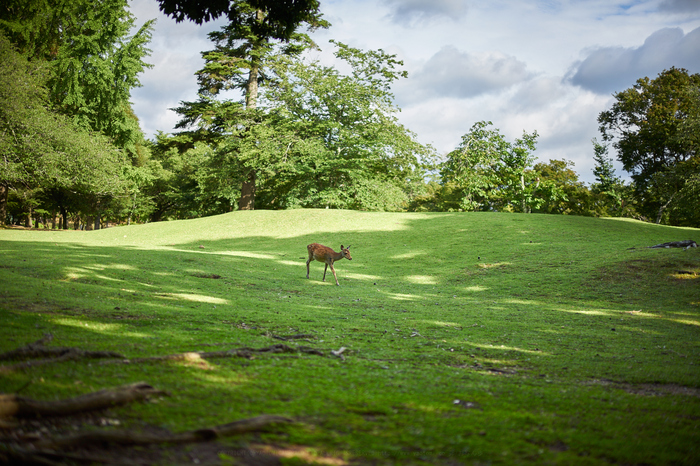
(470, 338)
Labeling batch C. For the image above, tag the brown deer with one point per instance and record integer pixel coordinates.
(328, 256)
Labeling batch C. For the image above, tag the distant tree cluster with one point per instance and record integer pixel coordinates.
(301, 134)
(71, 145)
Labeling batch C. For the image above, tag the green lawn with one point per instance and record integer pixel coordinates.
(470, 338)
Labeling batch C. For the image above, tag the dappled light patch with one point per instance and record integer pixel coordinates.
(197, 298)
(195, 360)
(361, 276)
(476, 288)
(86, 274)
(513, 348)
(687, 321)
(495, 265)
(250, 254)
(590, 312)
(685, 275)
(292, 263)
(422, 279)
(310, 455)
(404, 297)
(408, 255)
(445, 324)
(99, 327)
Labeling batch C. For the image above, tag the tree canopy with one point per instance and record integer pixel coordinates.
(45, 151)
(280, 18)
(492, 173)
(649, 125)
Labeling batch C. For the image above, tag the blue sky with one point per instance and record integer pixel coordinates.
(548, 66)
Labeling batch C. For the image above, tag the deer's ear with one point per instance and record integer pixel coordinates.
(341, 247)
(348, 247)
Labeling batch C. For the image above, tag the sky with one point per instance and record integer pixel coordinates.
(549, 66)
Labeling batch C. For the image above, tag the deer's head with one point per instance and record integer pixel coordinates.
(345, 252)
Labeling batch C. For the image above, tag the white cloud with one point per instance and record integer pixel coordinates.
(451, 73)
(609, 69)
(412, 12)
(679, 6)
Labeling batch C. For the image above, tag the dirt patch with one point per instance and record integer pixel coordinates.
(650, 389)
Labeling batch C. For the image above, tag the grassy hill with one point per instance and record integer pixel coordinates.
(470, 338)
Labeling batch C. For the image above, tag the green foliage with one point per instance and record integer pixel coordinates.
(93, 62)
(44, 152)
(320, 138)
(457, 350)
(91, 65)
(651, 126)
(244, 51)
(281, 18)
(609, 189)
(493, 173)
(360, 156)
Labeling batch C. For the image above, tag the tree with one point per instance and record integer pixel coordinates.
(560, 190)
(93, 61)
(350, 150)
(244, 49)
(92, 64)
(281, 18)
(612, 197)
(175, 190)
(44, 151)
(493, 173)
(649, 125)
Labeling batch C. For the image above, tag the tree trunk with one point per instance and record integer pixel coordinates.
(247, 200)
(3, 203)
(662, 208)
(28, 222)
(64, 218)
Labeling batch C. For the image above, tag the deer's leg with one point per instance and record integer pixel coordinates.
(307, 267)
(324, 271)
(334, 275)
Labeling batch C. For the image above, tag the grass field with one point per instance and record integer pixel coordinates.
(470, 338)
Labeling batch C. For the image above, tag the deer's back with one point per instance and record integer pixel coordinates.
(319, 252)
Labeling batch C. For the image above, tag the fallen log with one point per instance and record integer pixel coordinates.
(29, 350)
(13, 405)
(127, 437)
(675, 244)
(50, 355)
(245, 352)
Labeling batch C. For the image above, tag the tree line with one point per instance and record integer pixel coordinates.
(297, 133)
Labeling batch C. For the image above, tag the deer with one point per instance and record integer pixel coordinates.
(325, 254)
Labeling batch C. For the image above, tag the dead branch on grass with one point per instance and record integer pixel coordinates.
(675, 244)
(245, 352)
(50, 355)
(19, 406)
(55, 355)
(127, 437)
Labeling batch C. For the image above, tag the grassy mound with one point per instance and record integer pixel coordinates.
(453, 339)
